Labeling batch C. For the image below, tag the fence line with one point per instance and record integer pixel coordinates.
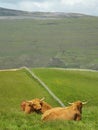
(45, 86)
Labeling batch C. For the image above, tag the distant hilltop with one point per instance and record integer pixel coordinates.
(12, 12)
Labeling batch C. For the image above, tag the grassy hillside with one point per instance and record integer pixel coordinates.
(12, 12)
(69, 42)
(16, 86)
(5, 12)
(69, 86)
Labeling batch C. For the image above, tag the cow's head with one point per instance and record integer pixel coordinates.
(36, 104)
(78, 105)
(28, 107)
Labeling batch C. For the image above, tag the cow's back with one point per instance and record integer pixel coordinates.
(59, 114)
(51, 113)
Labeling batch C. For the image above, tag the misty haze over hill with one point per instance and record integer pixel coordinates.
(14, 13)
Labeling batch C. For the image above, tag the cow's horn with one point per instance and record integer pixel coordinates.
(29, 101)
(84, 103)
(42, 99)
(70, 103)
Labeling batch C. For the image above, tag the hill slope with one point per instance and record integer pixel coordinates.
(11, 12)
(71, 85)
(46, 15)
(69, 42)
(16, 86)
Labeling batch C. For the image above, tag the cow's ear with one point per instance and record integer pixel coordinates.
(41, 103)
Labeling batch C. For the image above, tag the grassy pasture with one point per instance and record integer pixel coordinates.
(16, 86)
(74, 85)
(69, 42)
(69, 86)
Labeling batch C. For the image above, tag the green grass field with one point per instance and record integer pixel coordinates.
(69, 42)
(16, 86)
(69, 86)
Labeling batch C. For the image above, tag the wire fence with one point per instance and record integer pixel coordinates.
(44, 85)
